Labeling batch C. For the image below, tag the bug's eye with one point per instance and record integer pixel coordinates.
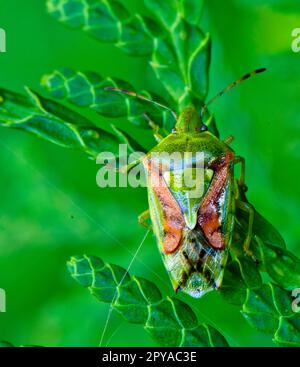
(204, 127)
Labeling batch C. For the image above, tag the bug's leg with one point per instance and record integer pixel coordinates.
(241, 180)
(154, 127)
(248, 208)
(229, 140)
(126, 169)
(143, 217)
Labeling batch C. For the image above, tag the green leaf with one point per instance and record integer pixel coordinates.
(260, 311)
(179, 54)
(167, 12)
(269, 309)
(281, 265)
(261, 228)
(266, 307)
(249, 271)
(108, 21)
(191, 47)
(241, 274)
(89, 90)
(124, 138)
(55, 123)
(288, 333)
(191, 10)
(165, 65)
(170, 11)
(198, 63)
(169, 321)
(233, 289)
(135, 38)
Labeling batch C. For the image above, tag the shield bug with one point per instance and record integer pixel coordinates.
(194, 222)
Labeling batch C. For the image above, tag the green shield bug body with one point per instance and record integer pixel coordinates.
(194, 223)
(193, 231)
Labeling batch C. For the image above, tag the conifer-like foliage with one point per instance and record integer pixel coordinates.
(178, 52)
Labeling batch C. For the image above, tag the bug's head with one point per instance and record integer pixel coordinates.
(189, 121)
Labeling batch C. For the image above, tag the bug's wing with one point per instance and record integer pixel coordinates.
(174, 200)
(194, 251)
(196, 268)
(215, 215)
(198, 265)
(166, 215)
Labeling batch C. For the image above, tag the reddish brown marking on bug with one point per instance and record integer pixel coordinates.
(173, 219)
(209, 212)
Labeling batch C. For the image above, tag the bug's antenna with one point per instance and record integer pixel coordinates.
(230, 86)
(143, 98)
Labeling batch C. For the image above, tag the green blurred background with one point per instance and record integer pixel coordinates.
(51, 207)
